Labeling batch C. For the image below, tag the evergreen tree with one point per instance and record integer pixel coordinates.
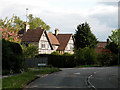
(84, 37)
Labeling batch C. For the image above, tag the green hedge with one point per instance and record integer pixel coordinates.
(12, 57)
(61, 61)
(85, 56)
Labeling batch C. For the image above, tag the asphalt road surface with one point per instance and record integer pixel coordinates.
(85, 78)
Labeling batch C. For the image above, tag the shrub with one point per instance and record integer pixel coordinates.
(55, 53)
(30, 51)
(86, 56)
(106, 57)
(67, 54)
(79, 57)
(90, 56)
(12, 57)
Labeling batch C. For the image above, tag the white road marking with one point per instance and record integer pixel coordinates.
(76, 73)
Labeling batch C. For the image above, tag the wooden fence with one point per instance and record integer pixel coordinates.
(33, 62)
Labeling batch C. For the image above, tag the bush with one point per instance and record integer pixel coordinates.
(55, 53)
(30, 51)
(86, 56)
(12, 57)
(79, 57)
(107, 58)
(67, 54)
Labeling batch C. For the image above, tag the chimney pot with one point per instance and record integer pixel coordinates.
(27, 26)
(56, 31)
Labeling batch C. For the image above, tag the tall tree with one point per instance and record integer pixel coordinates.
(115, 36)
(84, 37)
(114, 45)
(36, 22)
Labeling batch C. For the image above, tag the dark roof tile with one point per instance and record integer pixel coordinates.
(33, 35)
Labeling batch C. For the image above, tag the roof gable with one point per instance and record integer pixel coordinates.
(33, 35)
(53, 39)
(63, 40)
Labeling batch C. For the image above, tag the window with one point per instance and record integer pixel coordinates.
(42, 45)
(71, 47)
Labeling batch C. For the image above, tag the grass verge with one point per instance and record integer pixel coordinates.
(19, 81)
(83, 66)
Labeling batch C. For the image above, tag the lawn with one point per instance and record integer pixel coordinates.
(83, 66)
(19, 81)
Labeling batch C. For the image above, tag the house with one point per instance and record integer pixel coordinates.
(48, 42)
(101, 45)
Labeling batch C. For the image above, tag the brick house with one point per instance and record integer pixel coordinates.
(101, 45)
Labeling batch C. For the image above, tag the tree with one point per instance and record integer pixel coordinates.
(113, 47)
(37, 22)
(84, 37)
(115, 36)
(10, 28)
(30, 51)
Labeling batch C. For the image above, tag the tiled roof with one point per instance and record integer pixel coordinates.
(63, 40)
(101, 44)
(33, 35)
(53, 39)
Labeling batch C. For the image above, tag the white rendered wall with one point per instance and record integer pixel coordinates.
(47, 48)
(70, 46)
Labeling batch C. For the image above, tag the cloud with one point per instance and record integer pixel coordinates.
(107, 15)
(66, 14)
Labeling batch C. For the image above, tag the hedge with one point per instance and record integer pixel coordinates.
(61, 61)
(12, 57)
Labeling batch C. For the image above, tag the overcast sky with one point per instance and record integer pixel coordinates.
(67, 14)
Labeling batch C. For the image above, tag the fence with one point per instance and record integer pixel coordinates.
(33, 62)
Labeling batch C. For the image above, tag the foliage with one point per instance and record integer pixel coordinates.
(113, 47)
(12, 57)
(107, 58)
(30, 51)
(84, 37)
(86, 56)
(18, 81)
(10, 28)
(37, 22)
(115, 36)
(67, 54)
(83, 66)
(55, 53)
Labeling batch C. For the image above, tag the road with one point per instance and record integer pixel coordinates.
(98, 77)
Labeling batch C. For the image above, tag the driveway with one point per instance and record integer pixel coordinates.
(99, 77)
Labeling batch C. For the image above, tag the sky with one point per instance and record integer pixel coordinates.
(66, 15)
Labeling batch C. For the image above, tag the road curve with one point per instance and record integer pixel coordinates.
(74, 78)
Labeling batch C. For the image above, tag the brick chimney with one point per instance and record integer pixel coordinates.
(27, 26)
(56, 31)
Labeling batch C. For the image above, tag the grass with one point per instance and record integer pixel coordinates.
(19, 81)
(83, 66)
